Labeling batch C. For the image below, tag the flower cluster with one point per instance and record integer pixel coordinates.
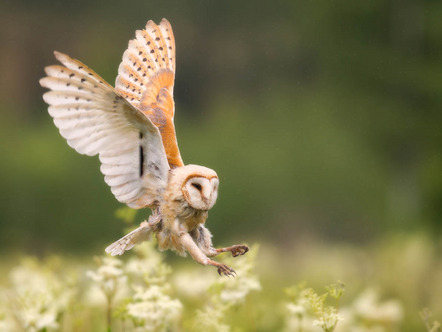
(150, 308)
(140, 293)
(308, 309)
(109, 276)
(211, 318)
(368, 314)
(144, 303)
(434, 326)
(368, 307)
(228, 293)
(234, 291)
(37, 296)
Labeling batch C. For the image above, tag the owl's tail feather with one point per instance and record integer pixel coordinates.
(127, 242)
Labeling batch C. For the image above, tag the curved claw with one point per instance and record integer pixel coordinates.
(239, 250)
(223, 269)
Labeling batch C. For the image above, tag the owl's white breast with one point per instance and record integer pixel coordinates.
(174, 205)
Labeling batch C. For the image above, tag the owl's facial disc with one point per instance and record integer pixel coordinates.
(201, 192)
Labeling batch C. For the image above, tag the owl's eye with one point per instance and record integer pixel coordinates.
(197, 186)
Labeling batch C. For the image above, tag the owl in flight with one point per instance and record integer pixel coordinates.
(131, 129)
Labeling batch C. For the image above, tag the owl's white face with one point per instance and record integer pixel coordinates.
(201, 191)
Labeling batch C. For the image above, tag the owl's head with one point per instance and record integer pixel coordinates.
(199, 186)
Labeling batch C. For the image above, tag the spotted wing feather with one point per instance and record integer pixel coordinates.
(146, 79)
(95, 119)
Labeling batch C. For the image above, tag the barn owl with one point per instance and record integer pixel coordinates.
(131, 129)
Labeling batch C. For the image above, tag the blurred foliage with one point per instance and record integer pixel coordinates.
(321, 118)
(387, 285)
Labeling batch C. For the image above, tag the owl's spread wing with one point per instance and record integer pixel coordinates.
(146, 78)
(95, 119)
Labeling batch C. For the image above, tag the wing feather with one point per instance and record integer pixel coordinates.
(127, 242)
(146, 79)
(96, 119)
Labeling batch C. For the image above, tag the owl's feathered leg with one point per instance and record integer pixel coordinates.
(236, 250)
(203, 239)
(197, 254)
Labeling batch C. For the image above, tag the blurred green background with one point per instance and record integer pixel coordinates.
(322, 118)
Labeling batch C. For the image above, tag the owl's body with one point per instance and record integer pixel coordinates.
(131, 129)
(178, 216)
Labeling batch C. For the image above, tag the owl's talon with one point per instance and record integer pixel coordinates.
(239, 250)
(224, 270)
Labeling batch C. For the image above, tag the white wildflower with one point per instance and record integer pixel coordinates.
(6, 321)
(306, 304)
(33, 320)
(210, 320)
(234, 291)
(152, 309)
(328, 320)
(368, 314)
(298, 317)
(148, 266)
(109, 276)
(228, 292)
(298, 309)
(37, 296)
(295, 309)
(193, 283)
(110, 279)
(368, 307)
(110, 268)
